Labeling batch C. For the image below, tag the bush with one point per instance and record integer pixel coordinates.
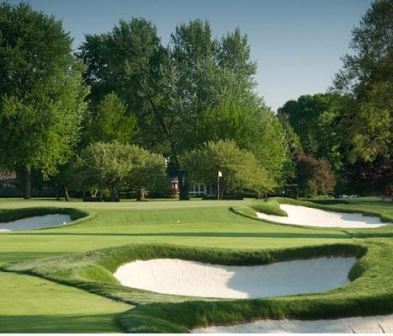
(110, 167)
(240, 169)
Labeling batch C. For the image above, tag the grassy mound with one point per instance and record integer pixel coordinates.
(270, 207)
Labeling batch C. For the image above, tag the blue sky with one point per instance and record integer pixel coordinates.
(296, 43)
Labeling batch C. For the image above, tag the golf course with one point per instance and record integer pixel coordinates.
(61, 279)
(199, 166)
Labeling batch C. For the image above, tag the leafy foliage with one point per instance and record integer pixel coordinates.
(116, 166)
(240, 169)
(41, 92)
(315, 177)
(367, 78)
(110, 122)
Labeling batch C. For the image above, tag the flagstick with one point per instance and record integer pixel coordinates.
(218, 186)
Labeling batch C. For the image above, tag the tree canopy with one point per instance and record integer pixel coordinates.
(41, 92)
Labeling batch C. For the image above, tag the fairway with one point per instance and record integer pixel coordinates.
(35, 304)
(31, 304)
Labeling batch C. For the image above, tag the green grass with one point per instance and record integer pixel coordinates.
(201, 230)
(93, 270)
(270, 207)
(31, 304)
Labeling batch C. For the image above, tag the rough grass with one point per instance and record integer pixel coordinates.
(270, 207)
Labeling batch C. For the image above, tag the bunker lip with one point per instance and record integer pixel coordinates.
(364, 324)
(306, 216)
(189, 278)
(35, 222)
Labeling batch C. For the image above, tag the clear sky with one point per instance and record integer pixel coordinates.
(296, 43)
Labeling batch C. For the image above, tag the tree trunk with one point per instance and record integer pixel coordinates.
(140, 194)
(27, 183)
(184, 186)
(113, 194)
(66, 194)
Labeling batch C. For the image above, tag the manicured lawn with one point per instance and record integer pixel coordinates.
(199, 224)
(194, 223)
(31, 304)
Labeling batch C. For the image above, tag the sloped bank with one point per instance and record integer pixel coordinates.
(37, 218)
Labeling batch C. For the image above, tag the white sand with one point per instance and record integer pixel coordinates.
(180, 277)
(368, 324)
(301, 215)
(36, 222)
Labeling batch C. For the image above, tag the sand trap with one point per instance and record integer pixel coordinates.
(368, 324)
(301, 215)
(180, 277)
(36, 222)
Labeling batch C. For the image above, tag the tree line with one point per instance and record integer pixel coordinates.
(126, 112)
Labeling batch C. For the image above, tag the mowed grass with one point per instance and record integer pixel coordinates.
(195, 223)
(31, 304)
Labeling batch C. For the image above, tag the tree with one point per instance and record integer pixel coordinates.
(116, 166)
(173, 90)
(240, 169)
(316, 119)
(126, 61)
(41, 92)
(367, 79)
(315, 177)
(110, 122)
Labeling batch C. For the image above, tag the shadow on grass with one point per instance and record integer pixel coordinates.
(338, 235)
(58, 324)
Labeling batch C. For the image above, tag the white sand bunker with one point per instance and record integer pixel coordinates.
(180, 277)
(301, 215)
(36, 222)
(367, 324)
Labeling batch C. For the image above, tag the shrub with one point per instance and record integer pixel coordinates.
(240, 169)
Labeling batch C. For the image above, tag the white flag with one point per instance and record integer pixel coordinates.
(219, 174)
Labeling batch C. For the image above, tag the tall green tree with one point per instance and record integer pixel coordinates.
(181, 92)
(367, 79)
(126, 61)
(316, 119)
(41, 92)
